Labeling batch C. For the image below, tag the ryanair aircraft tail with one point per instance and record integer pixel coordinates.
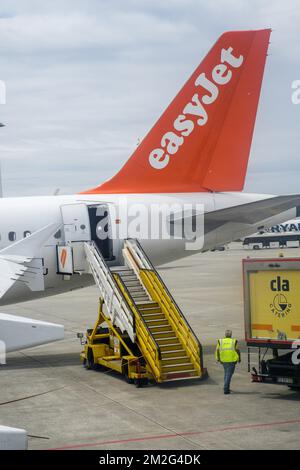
(202, 141)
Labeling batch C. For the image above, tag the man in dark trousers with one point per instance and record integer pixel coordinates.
(228, 354)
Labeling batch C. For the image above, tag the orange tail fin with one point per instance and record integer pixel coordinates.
(202, 141)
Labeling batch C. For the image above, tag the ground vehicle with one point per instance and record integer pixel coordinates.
(272, 319)
(272, 240)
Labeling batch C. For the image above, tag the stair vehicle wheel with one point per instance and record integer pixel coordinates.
(140, 382)
(128, 379)
(90, 364)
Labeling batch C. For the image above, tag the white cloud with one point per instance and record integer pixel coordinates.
(35, 32)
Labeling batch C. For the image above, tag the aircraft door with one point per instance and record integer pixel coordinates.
(76, 222)
(77, 230)
(101, 229)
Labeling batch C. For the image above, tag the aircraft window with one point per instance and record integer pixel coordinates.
(57, 234)
(12, 236)
(26, 233)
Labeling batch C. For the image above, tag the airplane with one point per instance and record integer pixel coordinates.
(196, 153)
(284, 235)
(288, 226)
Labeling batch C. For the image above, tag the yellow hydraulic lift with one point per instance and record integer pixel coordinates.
(158, 343)
(108, 347)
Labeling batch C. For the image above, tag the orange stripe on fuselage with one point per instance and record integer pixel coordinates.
(63, 257)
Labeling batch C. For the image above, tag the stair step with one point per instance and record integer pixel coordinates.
(136, 303)
(167, 346)
(149, 305)
(136, 289)
(148, 312)
(156, 322)
(151, 312)
(159, 335)
(154, 316)
(117, 269)
(172, 361)
(164, 328)
(169, 340)
(138, 298)
(138, 292)
(186, 367)
(171, 353)
(172, 376)
(164, 340)
(128, 277)
(133, 283)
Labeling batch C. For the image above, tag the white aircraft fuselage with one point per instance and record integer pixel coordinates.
(21, 217)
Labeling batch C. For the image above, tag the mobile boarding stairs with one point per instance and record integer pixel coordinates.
(140, 330)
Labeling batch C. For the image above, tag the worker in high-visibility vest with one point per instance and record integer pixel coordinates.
(228, 354)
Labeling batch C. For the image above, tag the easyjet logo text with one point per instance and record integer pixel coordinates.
(194, 113)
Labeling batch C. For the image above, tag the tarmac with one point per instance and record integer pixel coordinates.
(47, 391)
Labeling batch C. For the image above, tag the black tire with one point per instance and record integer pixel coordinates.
(295, 388)
(125, 372)
(90, 364)
(129, 380)
(140, 382)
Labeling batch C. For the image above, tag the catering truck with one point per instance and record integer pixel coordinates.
(272, 319)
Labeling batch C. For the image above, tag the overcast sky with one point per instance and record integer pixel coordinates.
(87, 78)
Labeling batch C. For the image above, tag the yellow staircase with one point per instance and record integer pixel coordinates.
(163, 335)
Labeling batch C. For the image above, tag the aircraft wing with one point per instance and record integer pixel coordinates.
(22, 261)
(21, 333)
(250, 213)
(244, 214)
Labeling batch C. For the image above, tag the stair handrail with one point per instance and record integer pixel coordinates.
(114, 301)
(180, 326)
(148, 265)
(144, 265)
